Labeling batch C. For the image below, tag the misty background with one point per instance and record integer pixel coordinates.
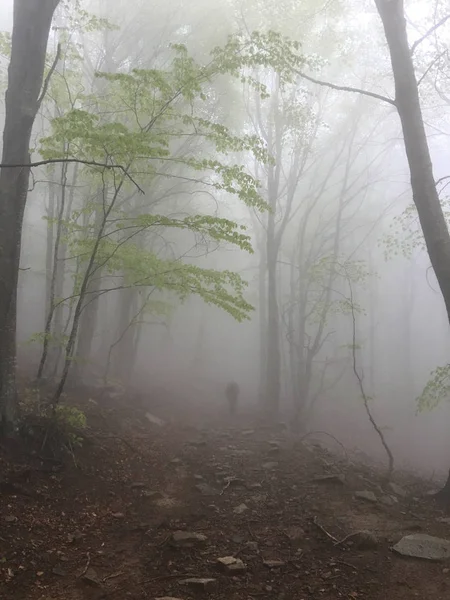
(336, 255)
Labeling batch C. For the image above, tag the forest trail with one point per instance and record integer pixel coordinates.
(108, 526)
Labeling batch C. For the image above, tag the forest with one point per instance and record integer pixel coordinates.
(193, 194)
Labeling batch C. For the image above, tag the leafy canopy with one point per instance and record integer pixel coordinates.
(140, 121)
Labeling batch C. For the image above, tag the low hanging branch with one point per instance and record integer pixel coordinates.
(345, 88)
(88, 163)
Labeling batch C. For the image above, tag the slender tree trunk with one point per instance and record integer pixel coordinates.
(49, 247)
(262, 310)
(125, 334)
(423, 185)
(32, 21)
(373, 304)
(88, 320)
(50, 308)
(273, 375)
(425, 195)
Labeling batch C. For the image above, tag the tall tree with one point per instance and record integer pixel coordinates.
(407, 102)
(425, 194)
(31, 28)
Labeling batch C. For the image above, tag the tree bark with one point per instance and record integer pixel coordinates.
(425, 195)
(423, 184)
(30, 34)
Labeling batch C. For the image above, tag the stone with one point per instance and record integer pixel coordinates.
(364, 540)
(237, 539)
(259, 498)
(201, 583)
(10, 519)
(118, 515)
(295, 533)
(155, 420)
(91, 577)
(254, 486)
(273, 451)
(206, 490)
(138, 485)
(232, 565)
(242, 453)
(248, 432)
(388, 500)
(188, 539)
(59, 571)
(152, 494)
(234, 481)
(398, 490)
(198, 443)
(421, 545)
(241, 509)
(269, 466)
(366, 495)
(252, 546)
(274, 564)
(333, 479)
(76, 536)
(445, 520)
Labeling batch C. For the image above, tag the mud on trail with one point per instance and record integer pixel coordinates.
(146, 511)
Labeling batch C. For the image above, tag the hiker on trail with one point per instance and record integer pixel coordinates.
(232, 394)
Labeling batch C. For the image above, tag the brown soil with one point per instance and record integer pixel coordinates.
(99, 524)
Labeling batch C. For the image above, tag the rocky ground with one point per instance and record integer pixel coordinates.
(144, 510)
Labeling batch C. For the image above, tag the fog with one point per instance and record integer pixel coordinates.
(338, 275)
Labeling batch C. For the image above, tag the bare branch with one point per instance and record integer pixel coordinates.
(365, 397)
(428, 33)
(49, 76)
(345, 88)
(88, 163)
(431, 65)
(442, 179)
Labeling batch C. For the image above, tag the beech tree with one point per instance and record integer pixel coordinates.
(26, 89)
(425, 194)
(407, 102)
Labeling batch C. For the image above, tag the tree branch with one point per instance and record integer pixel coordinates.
(345, 88)
(430, 66)
(49, 75)
(365, 397)
(428, 33)
(89, 163)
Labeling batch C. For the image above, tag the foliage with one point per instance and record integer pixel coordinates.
(436, 390)
(271, 50)
(5, 44)
(149, 113)
(405, 236)
(65, 422)
(330, 268)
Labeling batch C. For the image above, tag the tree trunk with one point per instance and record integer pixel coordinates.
(30, 34)
(423, 185)
(125, 336)
(262, 313)
(49, 247)
(273, 356)
(88, 319)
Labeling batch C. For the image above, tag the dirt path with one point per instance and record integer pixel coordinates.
(105, 527)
